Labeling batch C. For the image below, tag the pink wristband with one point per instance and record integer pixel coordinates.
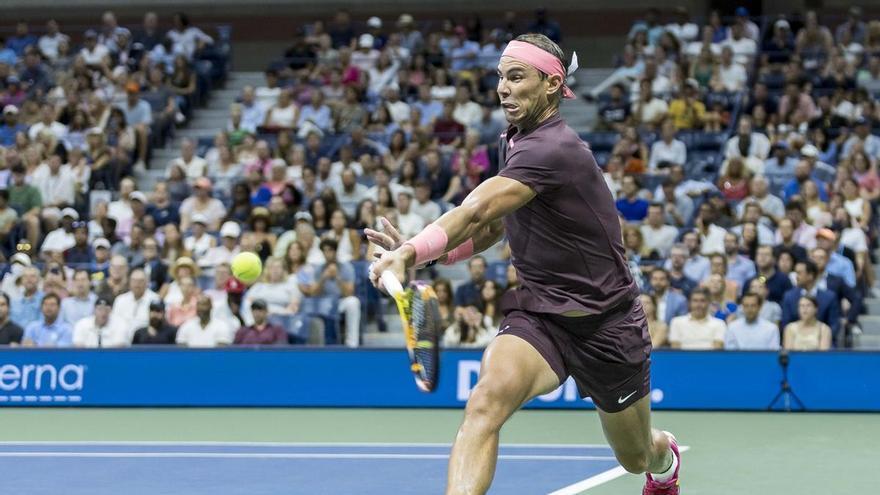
(462, 252)
(429, 244)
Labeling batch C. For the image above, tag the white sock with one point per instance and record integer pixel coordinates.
(666, 475)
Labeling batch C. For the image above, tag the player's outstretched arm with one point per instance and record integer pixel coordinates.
(477, 219)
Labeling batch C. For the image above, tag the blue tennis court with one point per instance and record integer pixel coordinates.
(196, 468)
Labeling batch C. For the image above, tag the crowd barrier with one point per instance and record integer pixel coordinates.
(336, 377)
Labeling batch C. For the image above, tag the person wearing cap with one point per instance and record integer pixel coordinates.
(10, 126)
(228, 248)
(862, 135)
(365, 56)
(139, 115)
(821, 171)
(26, 199)
(100, 266)
(80, 303)
(10, 333)
(157, 331)
(202, 202)
(132, 307)
(48, 330)
(198, 242)
(204, 330)
(101, 329)
(374, 27)
(260, 332)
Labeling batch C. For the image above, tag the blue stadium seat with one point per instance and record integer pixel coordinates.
(600, 141)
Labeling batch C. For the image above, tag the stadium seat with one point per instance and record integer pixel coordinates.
(600, 141)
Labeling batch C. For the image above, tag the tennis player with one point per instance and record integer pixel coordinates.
(577, 311)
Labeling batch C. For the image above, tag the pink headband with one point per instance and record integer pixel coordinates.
(542, 60)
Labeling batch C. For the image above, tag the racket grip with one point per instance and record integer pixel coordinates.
(390, 282)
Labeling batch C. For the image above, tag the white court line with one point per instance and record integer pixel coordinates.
(227, 455)
(594, 481)
(161, 443)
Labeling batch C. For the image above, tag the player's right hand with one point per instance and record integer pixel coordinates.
(389, 240)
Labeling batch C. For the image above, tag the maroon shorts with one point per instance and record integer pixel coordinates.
(608, 355)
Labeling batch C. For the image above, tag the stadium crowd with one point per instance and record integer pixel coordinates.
(739, 153)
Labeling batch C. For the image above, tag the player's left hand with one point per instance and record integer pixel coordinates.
(390, 260)
(389, 239)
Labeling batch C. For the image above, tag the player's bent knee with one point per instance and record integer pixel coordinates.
(492, 401)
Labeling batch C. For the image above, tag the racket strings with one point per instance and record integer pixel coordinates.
(425, 323)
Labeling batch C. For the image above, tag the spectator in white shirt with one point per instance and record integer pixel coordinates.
(47, 122)
(743, 47)
(61, 239)
(747, 143)
(731, 76)
(202, 202)
(133, 307)
(751, 332)
(56, 182)
(204, 330)
(228, 248)
(185, 38)
(194, 165)
(657, 235)
(648, 110)
(48, 43)
(365, 57)
(349, 193)
(94, 54)
(409, 223)
(697, 330)
(423, 206)
(199, 242)
(667, 148)
(101, 329)
(467, 112)
(683, 28)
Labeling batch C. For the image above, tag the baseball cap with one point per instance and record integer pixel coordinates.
(138, 196)
(10, 109)
(132, 87)
(809, 150)
(101, 243)
(70, 212)
(230, 229)
(404, 19)
(102, 301)
(782, 23)
(199, 218)
(203, 182)
(692, 83)
(304, 216)
(826, 234)
(234, 286)
(374, 22)
(22, 258)
(259, 304)
(157, 305)
(366, 41)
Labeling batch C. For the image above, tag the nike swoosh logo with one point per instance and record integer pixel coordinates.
(503, 329)
(621, 400)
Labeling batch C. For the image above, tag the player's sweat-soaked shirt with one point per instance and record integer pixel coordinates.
(565, 243)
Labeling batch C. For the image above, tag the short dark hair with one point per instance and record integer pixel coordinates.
(5, 296)
(699, 291)
(48, 296)
(752, 294)
(330, 243)
(811, 267)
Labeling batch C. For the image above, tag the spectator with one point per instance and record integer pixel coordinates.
(48, 331)
(26, 308)
(669, 303)
(27, 201)
(469, 330)
(194, 165)
(261, 332)
(631, 206)
(276, 290)
(132, 307)
(62, 238)
(648, 110)
(81, 302)
(184, 309)
(852, 26)
(667, 148)
(155, 270)
(157, 331)
(751, 332)
(349, 192)
(614, 113)
(139, 115)
(10, 333)
(807, 333)
(747, 143)
(117, 282)
(730, 76)
(658, 329)
(334, 281)
(826, 302)
(740, 268)
(47, 123)
(687, 111)
(204, 330)
(101, 329)
(680, 264)
(796, 106)
(776, 283)
(658, 236)
(468, 293)
(870, 143)
(697, 330)
(743, 43)
(186, 38)
(202, 202)
(11, 126)
(734, 180)
(780, 167)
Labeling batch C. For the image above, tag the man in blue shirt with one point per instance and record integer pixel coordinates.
(431, 109)
(22, 39)
(50, 331)
(26, 309)
(779, 168)
(751, 333)
(10, 126)
(333, 282)
(803, 172)
(81, 302)
(630, 206)
(838, 264)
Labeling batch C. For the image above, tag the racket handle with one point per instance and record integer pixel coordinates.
(390, 282)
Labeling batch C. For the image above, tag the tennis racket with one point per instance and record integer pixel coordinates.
(420, 315)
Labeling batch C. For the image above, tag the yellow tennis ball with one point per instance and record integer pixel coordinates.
(247, 267)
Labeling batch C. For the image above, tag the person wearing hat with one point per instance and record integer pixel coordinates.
(100, 266)
(26, 199)
(366, 56)
(261, 332)
(750, 30)
(374, 27)
(10, 126)
(862, 135)
(93, 53)
(411, 38)
(101, 329)
(821, 171)
(228, 248)
(204, 330)
(158, 331)
(839, 260)
(184, 266)
(62, 238)
(198, 242)
(202, 202)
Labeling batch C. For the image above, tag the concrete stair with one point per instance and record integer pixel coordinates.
(204, 122)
